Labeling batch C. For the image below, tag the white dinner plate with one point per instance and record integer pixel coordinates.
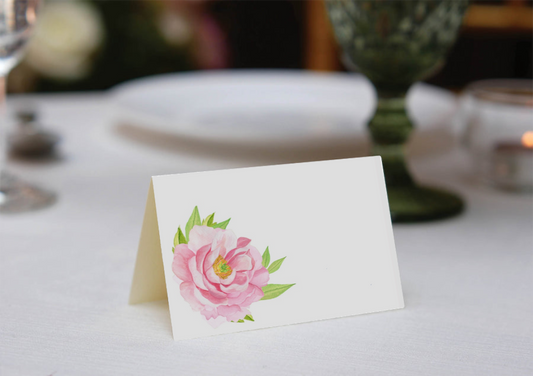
(267, 106)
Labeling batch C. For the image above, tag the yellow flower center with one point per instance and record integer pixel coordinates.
(221, 268)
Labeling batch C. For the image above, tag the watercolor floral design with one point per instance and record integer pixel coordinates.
(221, 275)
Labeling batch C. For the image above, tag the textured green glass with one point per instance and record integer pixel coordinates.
(395, 43)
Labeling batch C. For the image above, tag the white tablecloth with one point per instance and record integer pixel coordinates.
(65, 274)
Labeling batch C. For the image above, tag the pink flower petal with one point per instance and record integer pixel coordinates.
(219, 299)
(260, 277)
(179, 264)
(239, 297)
(256, 257)
(256, 295)
(212, 298)
(209, 313)
(201, 254)
(215, 323)
(212, 317)
(210, 259)
(240, 279)
(235, 252)
(243, 242)
(218, 248)
(232, 312)
(187, 290)
(240, 262)
(200, 236)
(224, 241)
(214, 289)
(196, 275)
(239, 284)
(198, 294)
(215, 279)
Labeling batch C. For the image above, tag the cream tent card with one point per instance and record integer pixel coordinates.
(258, 247)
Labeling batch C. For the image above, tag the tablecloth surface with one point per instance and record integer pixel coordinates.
(65, 273)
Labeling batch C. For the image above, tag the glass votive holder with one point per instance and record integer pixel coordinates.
(499, 132)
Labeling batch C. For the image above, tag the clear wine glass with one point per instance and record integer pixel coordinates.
(17, 19)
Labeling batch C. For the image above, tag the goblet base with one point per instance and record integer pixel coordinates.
(17, 196)
(412, 203)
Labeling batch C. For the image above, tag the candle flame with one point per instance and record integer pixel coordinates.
(527, 139)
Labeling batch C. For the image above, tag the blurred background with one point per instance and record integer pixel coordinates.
(82, 45)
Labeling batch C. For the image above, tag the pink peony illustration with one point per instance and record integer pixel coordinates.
(221, 275)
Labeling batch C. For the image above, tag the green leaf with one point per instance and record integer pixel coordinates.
(266, 258)
(179, 238)
(176, 239)
(275, 265)
(208, 220)
(194, 220)
(221, 225)
(247, 317)
(273, 291)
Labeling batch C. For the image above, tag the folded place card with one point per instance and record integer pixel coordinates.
(258, 247)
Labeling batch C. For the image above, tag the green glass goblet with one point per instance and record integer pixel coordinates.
(394, 44)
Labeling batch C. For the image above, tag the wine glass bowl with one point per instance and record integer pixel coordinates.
(17, 19)
(394, 44)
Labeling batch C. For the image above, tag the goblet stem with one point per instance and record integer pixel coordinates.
(390, 128)
(16, 196)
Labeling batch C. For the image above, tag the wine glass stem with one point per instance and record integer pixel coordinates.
(390, 128)
(3, 125)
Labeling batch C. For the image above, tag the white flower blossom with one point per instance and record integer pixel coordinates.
(67, 34)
